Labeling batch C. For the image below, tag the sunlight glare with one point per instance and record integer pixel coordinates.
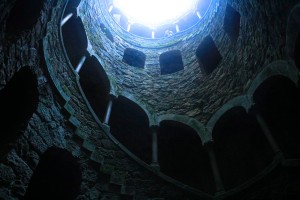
(153, 13)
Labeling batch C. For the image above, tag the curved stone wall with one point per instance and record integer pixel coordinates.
(190, 92)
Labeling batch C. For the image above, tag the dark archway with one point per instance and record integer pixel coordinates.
(57, 176)
(182, 156)
(18, 101)
(95, 85)
(23, 17)
(241, 147)
(130, 125)
(71, 6)
(75, 40)
(278, 100)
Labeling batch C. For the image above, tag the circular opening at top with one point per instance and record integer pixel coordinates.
(157, 18)
(154, 13)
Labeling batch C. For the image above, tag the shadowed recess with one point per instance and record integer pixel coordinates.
(141, 30)
(182, 156)
(23, 16)
(283, 183)
(188, 21)
(130, 125)
(232, 22)
(95, 85)
(170, 62)
(71, 6)
(134, 58)
(278, 100)
(18, 101)
(241, 147)
(57, 176)
(75, 40)
(106, 32)
(208, 55)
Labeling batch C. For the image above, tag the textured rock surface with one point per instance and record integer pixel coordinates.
(63, 118)
(190, 92)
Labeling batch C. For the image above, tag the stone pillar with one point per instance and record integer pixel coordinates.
(66, 19)
(154, 132)
(265, 128)
(108, 109)
(215, 168)
(80, 64)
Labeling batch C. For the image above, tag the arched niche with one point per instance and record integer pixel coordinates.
(130, 125)
(57, 176)
(75, 40)
(208, 54)
(170, 62)
(18, 101)
(241, 148)
(23, 17)
(95, 85)
(141, 30)
(278, 100)
(188, 21)
(134, 58)
(182, 156)
(232, 22)
(106, 32)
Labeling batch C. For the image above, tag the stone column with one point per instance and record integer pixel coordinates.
(154, 132)
(215, 168)
(265, 128)
(66, 19)
(108, 109)
(80, 64)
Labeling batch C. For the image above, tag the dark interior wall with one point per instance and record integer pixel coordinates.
(23, 17)
(57, 176)
(241, 147)
(182, 156)
(18, 101)
(278, 101)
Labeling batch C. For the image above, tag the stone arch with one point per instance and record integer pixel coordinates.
(277, 99)
(280, 67)
(18, 101)
(95, 85)
(57, 176)
(23, 17)
(182, 156)
(151, 117)
(241, 148)
(241, 101)
(293, 35)
(198, 127)
(129, 124)
(75, 40)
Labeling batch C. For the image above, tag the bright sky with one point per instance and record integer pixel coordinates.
(154, 13)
